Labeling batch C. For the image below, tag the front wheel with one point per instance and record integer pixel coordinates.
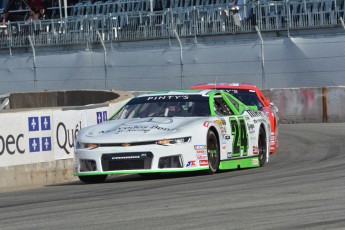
(93, 179)
(213, 152)
(262, 144)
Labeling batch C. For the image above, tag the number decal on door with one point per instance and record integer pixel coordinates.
(239, 132)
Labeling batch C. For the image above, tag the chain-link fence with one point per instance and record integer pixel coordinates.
(262, 45)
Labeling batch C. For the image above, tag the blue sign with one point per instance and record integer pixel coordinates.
(34, 144)
(45, 123)
(46, 144)
(33, 124)
(99, 117)
(105, 116)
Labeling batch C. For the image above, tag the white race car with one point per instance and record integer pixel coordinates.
(175, 131)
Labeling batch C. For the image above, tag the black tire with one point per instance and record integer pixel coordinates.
(93, 179)
(262, 145)
(213, 152)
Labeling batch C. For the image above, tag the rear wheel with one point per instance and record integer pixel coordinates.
(93, 179)
(213, 152)
(262, 145)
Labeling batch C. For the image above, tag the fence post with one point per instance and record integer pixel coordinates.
(34, 62)
(181, 57)
(262, 58)
(105, 61)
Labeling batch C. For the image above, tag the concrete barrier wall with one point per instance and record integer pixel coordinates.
(36, 144)
(309, 105)
(296, 105)
(61, 98)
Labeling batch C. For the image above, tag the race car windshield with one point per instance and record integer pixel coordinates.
(165, 106)
(247, 97)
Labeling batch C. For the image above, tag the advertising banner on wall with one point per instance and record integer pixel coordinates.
(42, 136)
(67, 125)
(26, 138)
(46, 135)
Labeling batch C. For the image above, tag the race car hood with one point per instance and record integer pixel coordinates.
(139, 129)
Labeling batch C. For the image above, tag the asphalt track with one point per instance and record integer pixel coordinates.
(302, 187)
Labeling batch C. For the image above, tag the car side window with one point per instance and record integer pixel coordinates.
(235, 103)
(221, 108)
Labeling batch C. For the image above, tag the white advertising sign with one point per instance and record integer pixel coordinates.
(45, 135)
(66, 126)
(26, 138)
(68, 123)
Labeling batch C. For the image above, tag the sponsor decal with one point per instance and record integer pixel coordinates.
(200, 151)
(137, 128)
(101, 116)
(202, 157)
(231, 91)
(229, 155)
(255, 150)
(206, 124)
(203, 162)
(218, 122)
(157, 120)
(224, 147)
(125, 157)
(191, 164)
(221, 123)
(250, 126)
(164, 97)
(255, 161)
(199, 147)
(260, 120)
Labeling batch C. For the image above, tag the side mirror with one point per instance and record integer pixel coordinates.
(274, 107)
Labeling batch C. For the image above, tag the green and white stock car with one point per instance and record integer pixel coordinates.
(174, 131)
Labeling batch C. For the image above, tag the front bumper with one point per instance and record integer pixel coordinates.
(134, 160)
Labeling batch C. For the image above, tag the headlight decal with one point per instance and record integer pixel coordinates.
(174, 141)
(80, 145)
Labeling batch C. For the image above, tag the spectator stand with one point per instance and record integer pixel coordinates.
(150, 19)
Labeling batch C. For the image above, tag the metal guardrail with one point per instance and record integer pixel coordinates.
(140, 23)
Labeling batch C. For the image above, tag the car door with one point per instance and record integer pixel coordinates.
(236, 133)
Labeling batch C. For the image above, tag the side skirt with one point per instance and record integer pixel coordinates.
(250, 162)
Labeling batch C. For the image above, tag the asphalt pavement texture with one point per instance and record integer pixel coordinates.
(301, 187)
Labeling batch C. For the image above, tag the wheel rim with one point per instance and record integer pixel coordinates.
(212, 152)
(262, 149)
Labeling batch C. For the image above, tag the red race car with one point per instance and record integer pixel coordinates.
(250, 95)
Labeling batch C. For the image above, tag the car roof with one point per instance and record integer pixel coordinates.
(201, 92)
(225, 85)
